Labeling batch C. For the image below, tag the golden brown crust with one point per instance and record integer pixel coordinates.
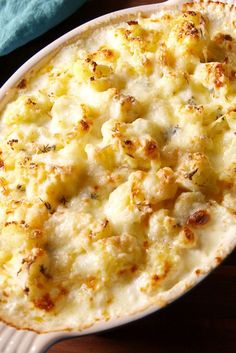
(199, 218)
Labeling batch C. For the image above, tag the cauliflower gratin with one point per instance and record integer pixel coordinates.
(117, 170)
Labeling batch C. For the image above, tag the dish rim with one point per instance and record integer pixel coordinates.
(36, 61)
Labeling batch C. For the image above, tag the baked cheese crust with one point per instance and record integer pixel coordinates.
(117, 169)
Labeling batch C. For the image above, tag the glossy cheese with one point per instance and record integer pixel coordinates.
(117, 169)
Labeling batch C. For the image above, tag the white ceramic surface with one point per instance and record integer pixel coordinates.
(18, 341)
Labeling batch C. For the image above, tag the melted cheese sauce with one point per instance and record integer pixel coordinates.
(117, 169)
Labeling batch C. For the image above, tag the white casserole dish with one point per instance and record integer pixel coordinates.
(15, 341)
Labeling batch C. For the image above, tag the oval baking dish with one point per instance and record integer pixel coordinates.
(27, 342)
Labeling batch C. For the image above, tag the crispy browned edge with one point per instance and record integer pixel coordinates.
(201, 272)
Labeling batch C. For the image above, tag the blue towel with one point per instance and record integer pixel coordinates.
(23, 20)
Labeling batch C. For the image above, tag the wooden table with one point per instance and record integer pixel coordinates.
(203, 321)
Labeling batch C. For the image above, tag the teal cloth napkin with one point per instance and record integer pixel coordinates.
(24, 20)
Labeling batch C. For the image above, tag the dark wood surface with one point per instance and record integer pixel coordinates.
(204, 321)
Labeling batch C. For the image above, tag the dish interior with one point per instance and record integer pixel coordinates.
(117, 169)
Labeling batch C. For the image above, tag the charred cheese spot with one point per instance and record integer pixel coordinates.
(199, 218)
(44, 303)
(188, 237)
(22, 84)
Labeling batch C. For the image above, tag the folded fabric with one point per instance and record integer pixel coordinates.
(24, 20)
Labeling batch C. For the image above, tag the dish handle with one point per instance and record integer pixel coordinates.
(19, 341)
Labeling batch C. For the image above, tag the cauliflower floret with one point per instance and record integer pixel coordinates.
(137, 45)
(135, 39)
(59, 81)
(28, 109)
(163, 259)
(86, 68)
(32, 214)
(188, 38)
(104, 56)
(213, 76)
(54, 184)
(190, 113)
(189, 137)
(162, 226)
(171, 83)
(104, 156)
(125, 108)
(69, 114)
(186, 204)
(121, 211)
(150, 188)
(99, 76)
(129, 202)
(109, 259)
(119, 256)
(165, 56)
(134, 143)
(196, 173)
